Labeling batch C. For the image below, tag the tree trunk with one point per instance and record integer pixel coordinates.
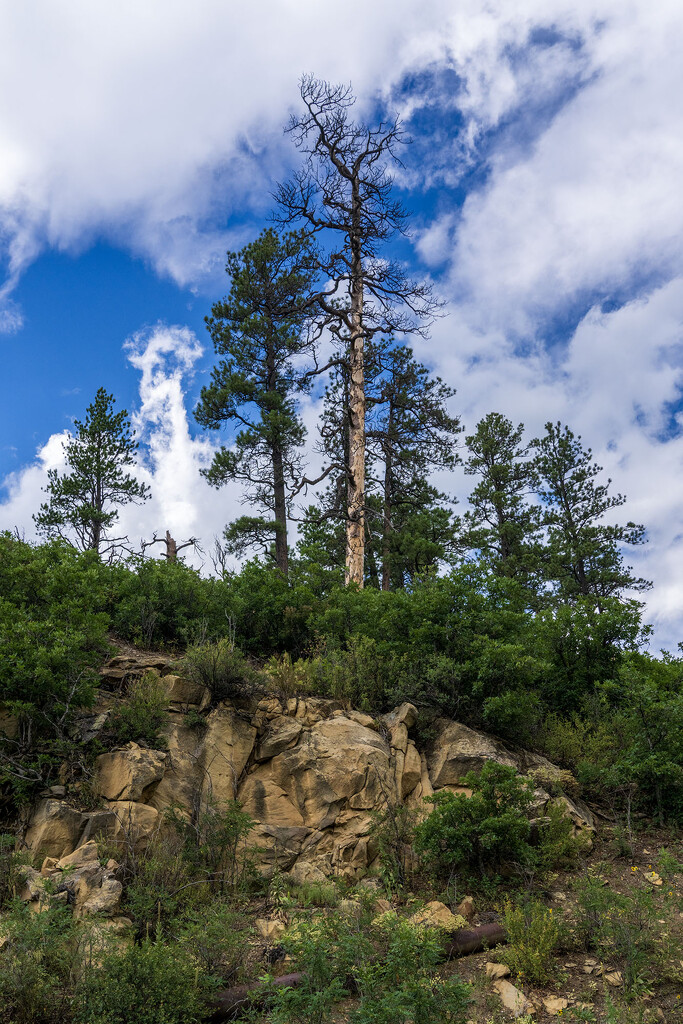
(355, 521)
(280, 505)
(171, 548)
(386, 527)
(279, 496)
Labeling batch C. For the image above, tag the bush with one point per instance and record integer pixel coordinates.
(533, 936)
(148, 984)
(216, 938)
(392, 830)
(400, 985)
(482, 831)
(390, 966)
(222, 669)
(36, 965)
(216, 844)
(143, 714)
(620, 926)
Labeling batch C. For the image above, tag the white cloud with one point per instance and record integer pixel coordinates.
(171, 459)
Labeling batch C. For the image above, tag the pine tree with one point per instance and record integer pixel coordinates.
(258, 331)
(503, 525)
(83, 504)
(584, 556)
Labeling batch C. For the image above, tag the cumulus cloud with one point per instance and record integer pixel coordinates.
(171, 458)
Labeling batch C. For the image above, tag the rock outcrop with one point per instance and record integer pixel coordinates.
(310, 772)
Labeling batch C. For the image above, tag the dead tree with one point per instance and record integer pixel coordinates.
(343, 192)
(171, 545)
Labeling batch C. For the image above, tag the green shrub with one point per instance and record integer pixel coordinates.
(160, 886)
(147, 984)
(222, 669)
(400, 984)
(558, 846)
(482, 831)
(390, 966)
(36, 965)
(533, 934)
(393, 830)
(621, 927)
(216, 938)
(216, 844)
(143, 714)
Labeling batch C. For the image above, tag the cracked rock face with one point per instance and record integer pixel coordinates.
(308, 771)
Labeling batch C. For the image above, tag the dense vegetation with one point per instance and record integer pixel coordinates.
(568, 679)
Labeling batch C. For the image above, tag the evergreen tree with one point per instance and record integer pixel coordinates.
(584, 557)
(344, 190)
(83, 503)
(409, 434)
(259, 330)
(502, 524)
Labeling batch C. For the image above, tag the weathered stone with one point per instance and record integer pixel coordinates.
(305, 873)
(405, 714)
(555, 1005)
(54, 829)
(437, 915)
(270, 930)
(336, 764)
(580, 814)
(48, 866)
(129, 772)
(282, 734)
(513, 1000)
(466, 908)
(265, 801)
(132, 825)
(458, 750)
(85, 854)
(33, 884)
(98, 895)
(412, 771)
(226, 748)
(182, 692)
(497, 971)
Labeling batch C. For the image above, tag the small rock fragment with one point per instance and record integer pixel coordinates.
(555, 1004)
(270, 931)
(496, 971)
(466, 908)
(437, 915)
(512, 999)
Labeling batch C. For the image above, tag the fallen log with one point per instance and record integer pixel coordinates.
(232, 1002)
(466, 941)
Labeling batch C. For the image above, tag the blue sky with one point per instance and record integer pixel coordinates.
(139, 142)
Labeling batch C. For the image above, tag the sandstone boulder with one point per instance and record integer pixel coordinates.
(85, 854)
(53, 829)
(437, 915)
(183, 693)
(129, 772)
(132, 825)
(226, 747)
(513, 1000)
(458, 750)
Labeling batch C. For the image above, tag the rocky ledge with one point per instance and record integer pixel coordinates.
(310, 772)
